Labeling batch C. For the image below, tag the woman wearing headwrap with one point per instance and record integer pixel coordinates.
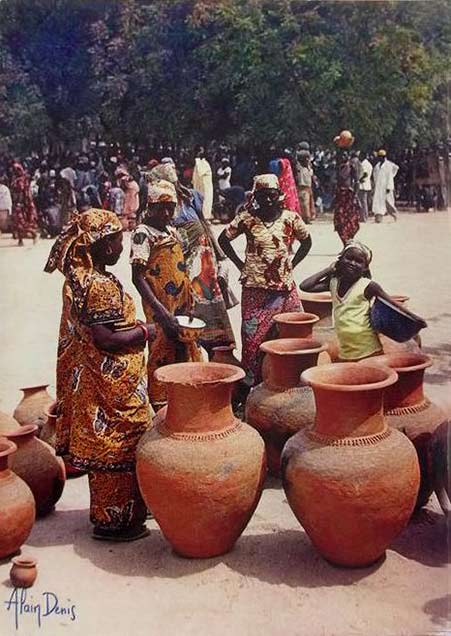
(201, 256)
(25, 219)
(159, 274)
(352, 290)
(103, 408)
(267, 271)
(345, 204)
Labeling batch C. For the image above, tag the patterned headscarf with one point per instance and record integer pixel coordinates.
(163, 172)
(161, 191)
(357, 245)
(71, 248)
(263, 181)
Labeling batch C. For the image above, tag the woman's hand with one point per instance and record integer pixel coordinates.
(168, 323)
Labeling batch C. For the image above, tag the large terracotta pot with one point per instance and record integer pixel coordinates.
(17, 507)
(32, 407)
(7, 423)
(200, 470)
(352, 481)
(36, 463)
(279, 407)
(410, 411)
(295, 324)
(48, 435)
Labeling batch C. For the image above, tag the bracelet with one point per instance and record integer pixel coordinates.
(144, 329)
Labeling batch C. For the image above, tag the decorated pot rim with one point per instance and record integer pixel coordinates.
(296, 318)
(312, 377)
(196, 373)
(22, 431)
(7, 447)
(389, 360)
(301, 346)
(24, 561)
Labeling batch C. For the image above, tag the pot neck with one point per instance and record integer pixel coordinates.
(23, 435)
(285, 370)
(198, 408)
(295, 329)
(5, 452)
(348, 413)
(407, 391)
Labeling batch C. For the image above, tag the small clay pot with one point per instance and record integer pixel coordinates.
(32, 407)
(224, 355)
(23, 572)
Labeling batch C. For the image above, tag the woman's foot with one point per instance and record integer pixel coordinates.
(131, 534)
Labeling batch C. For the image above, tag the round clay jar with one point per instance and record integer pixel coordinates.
(23, 572)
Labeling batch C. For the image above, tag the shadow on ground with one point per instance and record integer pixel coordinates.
(275, 557)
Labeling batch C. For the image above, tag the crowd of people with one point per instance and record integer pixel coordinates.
(39, 193)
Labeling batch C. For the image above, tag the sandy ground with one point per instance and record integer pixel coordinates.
(273, 582)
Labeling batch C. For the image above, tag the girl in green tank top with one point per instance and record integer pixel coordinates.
(352, 290)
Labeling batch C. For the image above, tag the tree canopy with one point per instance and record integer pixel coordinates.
(250, 72)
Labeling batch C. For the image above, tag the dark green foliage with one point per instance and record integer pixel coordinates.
(253, 72)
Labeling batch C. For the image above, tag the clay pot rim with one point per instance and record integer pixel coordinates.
(48, 411)
(229, 347)
(296, 318)
(385, 361)
(308, 377)
(22, 431)
(179, 373)
(7, 447)
(401, 298)
(303, 346)
(34, 386)
(319, 297)
(25, 561)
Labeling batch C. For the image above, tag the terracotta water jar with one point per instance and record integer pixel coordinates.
(17, 506)
(200, 469)
(23, 572)
(408, 409)
(36, 463)
(279, 407)
(351, 480)
(7, 423)
(33, 405)
(295, 324)
(48, 435)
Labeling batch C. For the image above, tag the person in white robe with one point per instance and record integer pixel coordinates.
(384, 174)
(203, 182)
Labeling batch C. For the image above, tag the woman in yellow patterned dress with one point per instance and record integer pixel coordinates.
(159, 274)
(107, 392)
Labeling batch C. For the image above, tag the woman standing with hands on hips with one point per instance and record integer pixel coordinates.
(267, 271)
(107, 392)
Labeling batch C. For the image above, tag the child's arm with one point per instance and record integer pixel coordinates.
(375, 290)
(318, 282)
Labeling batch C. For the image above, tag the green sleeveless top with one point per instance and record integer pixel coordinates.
(356, 337)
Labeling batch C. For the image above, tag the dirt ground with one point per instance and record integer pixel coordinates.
(273, 582)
